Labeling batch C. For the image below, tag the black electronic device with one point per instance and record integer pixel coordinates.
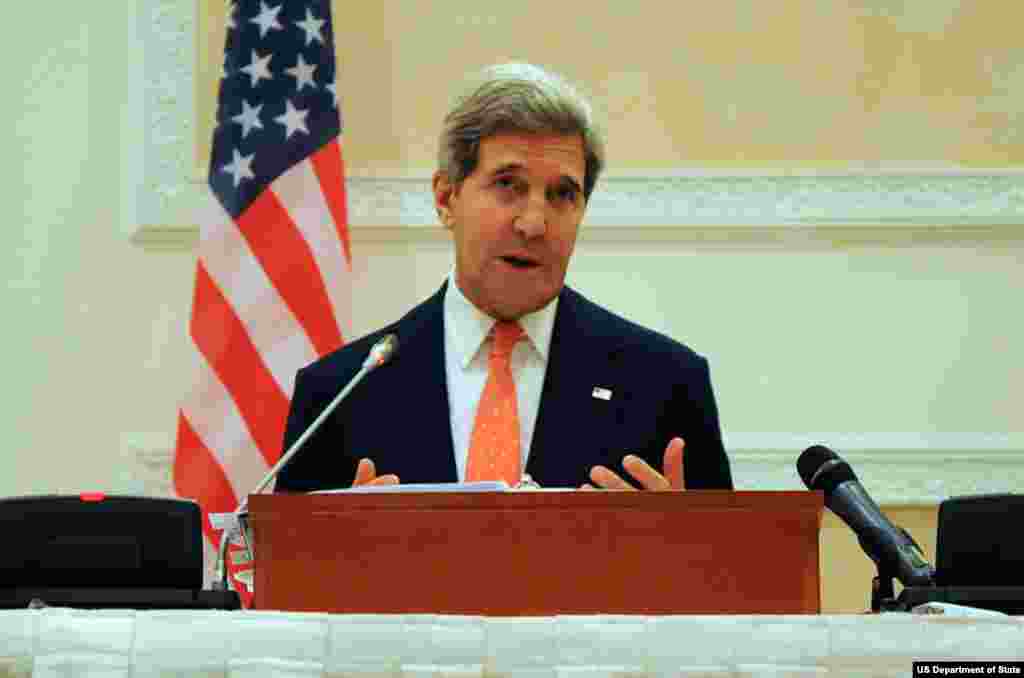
(94, 550)
(978, 542)
(979, 555)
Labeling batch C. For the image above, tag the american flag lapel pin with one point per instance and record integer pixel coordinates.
(601, 393)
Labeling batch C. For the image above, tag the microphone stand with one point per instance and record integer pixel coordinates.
(883, 592)
(381, 352)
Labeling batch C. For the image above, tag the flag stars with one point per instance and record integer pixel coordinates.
(267, 19)
(333, 89)
(275, 57)
(294, 120)
(240, 168)
(312, 27)
(303, 74)
(249, 118)
(259, 68)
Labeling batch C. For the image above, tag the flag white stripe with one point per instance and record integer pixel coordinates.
(214, 417)
(277, 335)
(298, 189)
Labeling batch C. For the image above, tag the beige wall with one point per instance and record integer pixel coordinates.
(881, 339)
(734, 84)
(83, 308)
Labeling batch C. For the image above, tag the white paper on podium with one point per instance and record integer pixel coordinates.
(475, 486)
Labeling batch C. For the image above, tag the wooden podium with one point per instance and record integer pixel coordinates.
(538, 553)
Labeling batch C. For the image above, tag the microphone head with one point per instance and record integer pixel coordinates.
(383, 351)
(822, 469)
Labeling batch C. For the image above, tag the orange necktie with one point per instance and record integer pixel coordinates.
(494, 445)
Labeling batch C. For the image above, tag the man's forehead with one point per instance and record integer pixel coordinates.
(562, 150)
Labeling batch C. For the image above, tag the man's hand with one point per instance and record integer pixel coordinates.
(366, 474)
(649, 479)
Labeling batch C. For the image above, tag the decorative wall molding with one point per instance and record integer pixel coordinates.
(698, 200)
(166, 34)
(898, 469)
(146, 465)
(769, 210)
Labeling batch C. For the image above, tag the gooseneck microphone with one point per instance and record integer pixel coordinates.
(890, 547)
(382, 351)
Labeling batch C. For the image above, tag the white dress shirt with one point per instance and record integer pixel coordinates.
(467, 347)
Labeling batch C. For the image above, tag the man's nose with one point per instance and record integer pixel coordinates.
(532, 221)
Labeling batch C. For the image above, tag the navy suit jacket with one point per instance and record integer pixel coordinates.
(399, 415)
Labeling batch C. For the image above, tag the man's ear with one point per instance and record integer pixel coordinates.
(444, 190)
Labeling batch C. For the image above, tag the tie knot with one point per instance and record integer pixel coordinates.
(506, 334)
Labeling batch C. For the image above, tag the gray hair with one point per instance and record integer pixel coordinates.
(516, 97)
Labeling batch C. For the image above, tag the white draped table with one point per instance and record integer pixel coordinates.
(64, 642)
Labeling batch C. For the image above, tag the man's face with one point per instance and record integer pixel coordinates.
(515, 220)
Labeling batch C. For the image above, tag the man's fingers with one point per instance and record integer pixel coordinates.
(648, 478)
(365, 472)
(674, 463)
(603, 477)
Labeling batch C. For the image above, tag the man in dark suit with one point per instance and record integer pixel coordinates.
(584, 399)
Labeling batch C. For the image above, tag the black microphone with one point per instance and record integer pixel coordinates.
(382, 351)
(890, 547)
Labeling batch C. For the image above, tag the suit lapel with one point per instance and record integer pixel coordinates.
(420, 385)
(576, 426)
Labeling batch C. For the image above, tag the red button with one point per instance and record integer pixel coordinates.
(92, 496)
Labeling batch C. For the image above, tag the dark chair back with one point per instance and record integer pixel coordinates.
(980, 541)
(95, 541)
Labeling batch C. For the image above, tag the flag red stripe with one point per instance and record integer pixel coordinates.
(199, 476)
(284, 254)
(223, 341)
(330, 170)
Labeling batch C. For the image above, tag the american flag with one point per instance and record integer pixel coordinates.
(272, 286)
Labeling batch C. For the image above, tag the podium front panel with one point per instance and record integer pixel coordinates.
(539, 553)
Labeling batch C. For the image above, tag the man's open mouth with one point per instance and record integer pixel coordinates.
(519, 262)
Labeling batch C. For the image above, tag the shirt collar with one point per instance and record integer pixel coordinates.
(468, 327)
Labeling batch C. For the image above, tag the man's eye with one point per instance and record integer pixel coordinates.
(567, 194)
(505, 182)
